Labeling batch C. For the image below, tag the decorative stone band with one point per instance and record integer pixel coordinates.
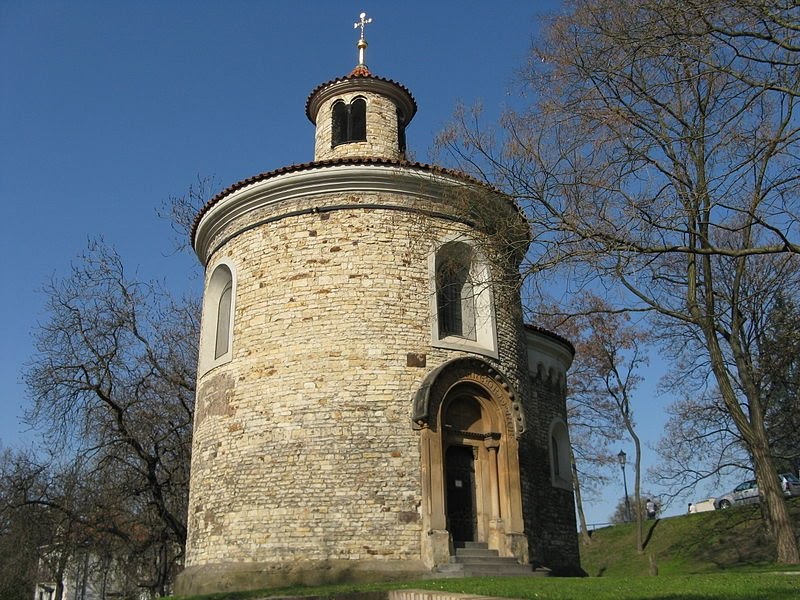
(549, 355)
(421, 402)
(282, 194)
(490, 439)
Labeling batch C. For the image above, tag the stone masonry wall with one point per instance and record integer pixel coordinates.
(303, 444)
(549, 511)
(382, 135)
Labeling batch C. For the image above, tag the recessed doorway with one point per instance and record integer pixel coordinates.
(461, 510)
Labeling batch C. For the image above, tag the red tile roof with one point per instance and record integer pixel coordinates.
(331, 163)
(360, 72)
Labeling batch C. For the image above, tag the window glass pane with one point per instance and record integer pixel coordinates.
(223, 323)
(339, 123)
(358, 121)
(468, 309)
(555, 456)
(455, 296)
(401, 131)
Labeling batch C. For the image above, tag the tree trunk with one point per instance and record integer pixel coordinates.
(60, 570)
(576, 486)
(637, 496)
(773, 507)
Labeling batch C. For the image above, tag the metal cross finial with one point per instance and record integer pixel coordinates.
(363, 21)
(362, 42)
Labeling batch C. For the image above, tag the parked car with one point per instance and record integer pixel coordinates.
(790, 484)
(747, 491)
(744, 493)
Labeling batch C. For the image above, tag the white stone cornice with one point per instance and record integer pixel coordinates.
(548, 356)
(328, 180)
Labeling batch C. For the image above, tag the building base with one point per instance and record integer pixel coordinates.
(228, 577)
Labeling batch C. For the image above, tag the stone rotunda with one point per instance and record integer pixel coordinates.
(369, 400)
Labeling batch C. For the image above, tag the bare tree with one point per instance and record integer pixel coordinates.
(779, 348)
(181, 211)
(762, 38)
(609, 351)
(701, 440)
(592, 416)
(24, 530)
(52, 504)
(649, 161)
(700, 444)
(112, 384)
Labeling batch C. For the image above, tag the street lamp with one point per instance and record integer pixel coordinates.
(621, 457)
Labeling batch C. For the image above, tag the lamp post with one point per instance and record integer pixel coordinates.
(622, 456)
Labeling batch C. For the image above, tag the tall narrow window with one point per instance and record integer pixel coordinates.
(455, 296)
(560, 468)
(401, 131)
(461, 300)
(339, 125)
(554, 453)
(217, 327)
(358, 120)
(348, 122)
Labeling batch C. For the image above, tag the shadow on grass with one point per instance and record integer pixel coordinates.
(650, 533)
(735, 538)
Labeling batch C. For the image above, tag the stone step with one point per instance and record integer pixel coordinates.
(475, 559)
(505, 571)
(483, 545)
(450, 570)
(475, 552)
(485, 560)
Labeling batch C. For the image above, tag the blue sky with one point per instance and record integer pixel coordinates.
(108, 108)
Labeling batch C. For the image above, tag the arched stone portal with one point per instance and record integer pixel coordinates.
(469, 420)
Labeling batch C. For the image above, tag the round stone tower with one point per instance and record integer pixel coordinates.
(368, 398)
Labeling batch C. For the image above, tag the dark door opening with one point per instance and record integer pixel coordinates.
(460, 475)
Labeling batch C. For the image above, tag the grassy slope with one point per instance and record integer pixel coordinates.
(721, 555)
(699, 543)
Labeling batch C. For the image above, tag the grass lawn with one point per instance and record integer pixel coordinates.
(719, 555)
(718, 586)
(732, 586)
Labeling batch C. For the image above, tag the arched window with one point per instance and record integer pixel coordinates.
(216, 335)
(349, 122)
(462, 302)
(358, 120)
(339, 125)
(560, 467)
(455, 296)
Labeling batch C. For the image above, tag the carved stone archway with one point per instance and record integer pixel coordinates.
(469, 406)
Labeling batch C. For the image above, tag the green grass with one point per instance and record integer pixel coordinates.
(710, 542)
(718, 586)
(720, 555)
(709, 587)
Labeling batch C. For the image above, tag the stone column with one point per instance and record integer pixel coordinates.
(435, 537)
(496, 529)
(494, 480)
